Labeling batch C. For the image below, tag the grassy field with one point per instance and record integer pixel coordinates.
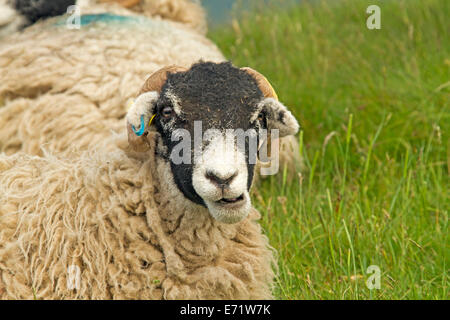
(374, 106)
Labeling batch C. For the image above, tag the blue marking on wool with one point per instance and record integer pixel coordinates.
(103, 17)
(141, 130)
(107, 18)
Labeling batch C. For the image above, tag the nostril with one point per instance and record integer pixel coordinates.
(220, 180)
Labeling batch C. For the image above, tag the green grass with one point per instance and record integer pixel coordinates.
(375, 114)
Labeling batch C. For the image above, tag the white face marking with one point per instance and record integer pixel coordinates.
(256, 113)
(175, 101)
(169, 126)
(222, 160)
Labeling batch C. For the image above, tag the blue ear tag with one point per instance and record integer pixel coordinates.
(141, 130)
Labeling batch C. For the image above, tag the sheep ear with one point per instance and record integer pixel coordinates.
(140, 117)
(279, 117)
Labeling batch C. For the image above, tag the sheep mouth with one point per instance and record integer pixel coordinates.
(230, 210)
(229, 201)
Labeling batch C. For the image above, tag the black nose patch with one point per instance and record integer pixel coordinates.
(220, 181)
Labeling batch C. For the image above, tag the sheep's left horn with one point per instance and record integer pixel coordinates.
(158, 78)
(141, 111)
(263, 84)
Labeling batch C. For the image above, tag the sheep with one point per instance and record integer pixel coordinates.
(131, 222)
(63, 90)
(17, 14)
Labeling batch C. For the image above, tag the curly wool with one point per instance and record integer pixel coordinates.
(118, 216)
(68, 89)
(190, 13)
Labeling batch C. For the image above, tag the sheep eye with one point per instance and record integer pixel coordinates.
(167, 112)
(261, 116)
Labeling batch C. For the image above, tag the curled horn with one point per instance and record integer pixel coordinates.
(263, 84)
(158, 78)
(123, 3)
(154, 82)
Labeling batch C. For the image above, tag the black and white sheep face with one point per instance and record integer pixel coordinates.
(211, 119)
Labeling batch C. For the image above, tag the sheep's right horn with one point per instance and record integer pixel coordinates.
(268, 92)
(263, 84)
(158, 78)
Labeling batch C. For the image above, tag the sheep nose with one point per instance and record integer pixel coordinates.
(219, 179)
